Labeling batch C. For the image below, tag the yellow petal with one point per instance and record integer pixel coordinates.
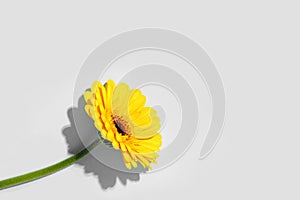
(120, 99)
(128, 165)
(127, 158)
(116, 144)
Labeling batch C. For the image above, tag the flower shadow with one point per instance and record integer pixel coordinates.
(81, 124)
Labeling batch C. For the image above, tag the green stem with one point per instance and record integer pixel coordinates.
(48, 170)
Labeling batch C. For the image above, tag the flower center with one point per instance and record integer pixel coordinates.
(121, 126)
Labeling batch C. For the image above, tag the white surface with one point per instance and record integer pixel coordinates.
(255, 46)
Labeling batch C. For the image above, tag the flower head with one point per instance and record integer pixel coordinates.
(122, 118)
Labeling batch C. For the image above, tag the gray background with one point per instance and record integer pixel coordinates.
(254, 44)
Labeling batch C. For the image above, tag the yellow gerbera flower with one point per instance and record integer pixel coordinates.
(120, 115)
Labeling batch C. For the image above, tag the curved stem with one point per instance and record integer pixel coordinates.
(48, 170)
